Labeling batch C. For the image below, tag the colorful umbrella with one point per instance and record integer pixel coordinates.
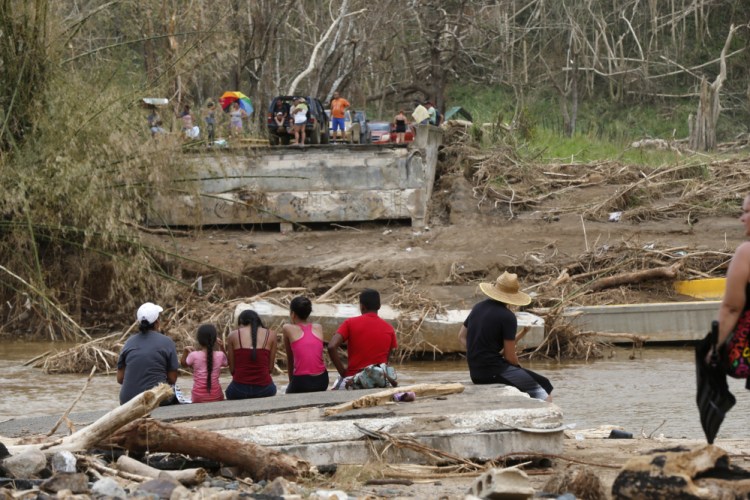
(229, 98)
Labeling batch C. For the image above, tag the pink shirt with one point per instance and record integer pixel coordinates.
(197, 360)
(308, 353)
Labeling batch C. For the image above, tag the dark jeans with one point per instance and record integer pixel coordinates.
(308, 383)
(244, 391)
(524, 380)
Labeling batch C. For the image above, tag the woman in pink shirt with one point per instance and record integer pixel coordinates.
(206, 365)
(303, 342)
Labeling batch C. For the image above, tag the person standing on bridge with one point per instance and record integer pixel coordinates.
(489, 330)
(338, 114)
(299, 115)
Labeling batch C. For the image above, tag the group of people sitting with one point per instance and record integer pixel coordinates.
(149, 358)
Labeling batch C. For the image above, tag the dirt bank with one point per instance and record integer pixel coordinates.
(470, 239)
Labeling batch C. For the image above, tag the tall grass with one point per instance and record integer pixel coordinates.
(73, 184)
(603, 129)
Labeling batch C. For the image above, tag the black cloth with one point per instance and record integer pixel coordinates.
(713, 397)
(308, 383)
(400, 126)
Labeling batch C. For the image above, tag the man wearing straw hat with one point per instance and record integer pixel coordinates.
(491, 328)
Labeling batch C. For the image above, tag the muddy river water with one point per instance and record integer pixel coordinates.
(653, 393)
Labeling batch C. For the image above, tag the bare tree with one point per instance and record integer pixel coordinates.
(703, 128)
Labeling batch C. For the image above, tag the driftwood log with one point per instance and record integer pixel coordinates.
(669, 272)
(383, 397)
(90, 436)
(257, 461)
(188, 477)
(704, 472)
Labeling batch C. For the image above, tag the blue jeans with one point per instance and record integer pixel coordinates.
(245, 391)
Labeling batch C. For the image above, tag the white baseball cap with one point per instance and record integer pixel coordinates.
(148, 312)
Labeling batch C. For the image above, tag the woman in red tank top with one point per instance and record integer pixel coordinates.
(251, 350)
(303, 342)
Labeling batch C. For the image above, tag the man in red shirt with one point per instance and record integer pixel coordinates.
(338, 112)
(369, 338)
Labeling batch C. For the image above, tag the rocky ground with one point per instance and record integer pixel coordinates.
(587, 469)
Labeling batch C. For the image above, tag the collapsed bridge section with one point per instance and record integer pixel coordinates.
(326, 183)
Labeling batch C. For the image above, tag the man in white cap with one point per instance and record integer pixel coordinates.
(148, 358)
(491, 328)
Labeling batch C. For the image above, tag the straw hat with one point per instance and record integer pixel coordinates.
(505, 290)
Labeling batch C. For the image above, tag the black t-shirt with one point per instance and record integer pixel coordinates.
(489, 324)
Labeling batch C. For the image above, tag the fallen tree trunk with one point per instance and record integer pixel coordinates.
(636, 277)
(188, 477)
(91, 435)
(257, 461)
(335, 288)
(382, 397)
(638, 339)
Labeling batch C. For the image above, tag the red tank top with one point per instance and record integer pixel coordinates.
(251, 371)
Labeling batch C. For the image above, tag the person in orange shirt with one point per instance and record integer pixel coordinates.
(338, 108)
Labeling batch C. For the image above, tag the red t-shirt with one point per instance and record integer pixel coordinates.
(369, 340)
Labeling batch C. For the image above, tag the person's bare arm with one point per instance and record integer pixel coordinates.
(462, 336)
(509, 352)
(183, 358)
(289, 353)
(230, 352)
(172, 377)
(733, 302)
(120, 375)
(333, 352)
(272, 347)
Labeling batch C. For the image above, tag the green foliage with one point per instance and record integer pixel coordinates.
(551, 147)
(71, 192)
(604, 129)
(23, 68)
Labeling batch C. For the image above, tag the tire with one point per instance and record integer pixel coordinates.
(315, 135)
(325, 138)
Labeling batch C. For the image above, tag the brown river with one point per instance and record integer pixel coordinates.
(651, 394)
